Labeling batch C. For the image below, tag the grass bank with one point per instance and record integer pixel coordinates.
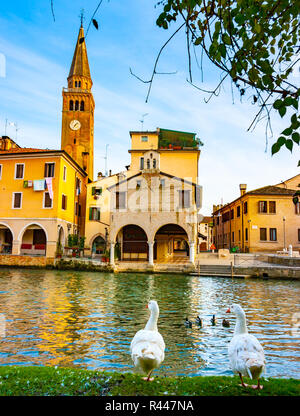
(51, 381)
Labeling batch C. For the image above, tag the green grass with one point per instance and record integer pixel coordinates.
(51, 381)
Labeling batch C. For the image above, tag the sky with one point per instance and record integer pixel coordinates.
(38, 52)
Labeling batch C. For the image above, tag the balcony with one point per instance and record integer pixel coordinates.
(76, 90)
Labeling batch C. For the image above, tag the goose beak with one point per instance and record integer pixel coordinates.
(228, 310)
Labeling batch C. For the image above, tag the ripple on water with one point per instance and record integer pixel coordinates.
(89, 319)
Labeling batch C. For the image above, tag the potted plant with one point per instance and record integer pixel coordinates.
(170, 146)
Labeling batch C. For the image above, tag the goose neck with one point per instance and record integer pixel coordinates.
(152, 321)
(240, 326)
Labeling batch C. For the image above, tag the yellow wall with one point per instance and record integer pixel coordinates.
(137, 144)
(284, 208)
(32, 201)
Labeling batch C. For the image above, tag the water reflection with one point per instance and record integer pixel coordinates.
(89, 319)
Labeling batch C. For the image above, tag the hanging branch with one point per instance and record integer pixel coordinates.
(52, 9)
(92, 18)
(154, 72)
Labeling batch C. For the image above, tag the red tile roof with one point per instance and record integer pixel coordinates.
(25, 150)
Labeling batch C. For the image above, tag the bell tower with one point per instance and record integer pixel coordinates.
(77, 136)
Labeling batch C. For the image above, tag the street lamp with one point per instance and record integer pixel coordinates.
(284, 245)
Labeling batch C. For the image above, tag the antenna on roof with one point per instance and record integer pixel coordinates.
(142, 121)
(105, 157)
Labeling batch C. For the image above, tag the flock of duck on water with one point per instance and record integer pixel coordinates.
(245, 352)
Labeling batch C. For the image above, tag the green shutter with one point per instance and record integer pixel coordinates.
(93, 190)
(90, 215)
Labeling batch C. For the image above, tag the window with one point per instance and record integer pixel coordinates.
(239, 235)
(238, 211)
(154, 163)
(64, 201)
(82, 106)
(47, 200)
(144, 138)
(94, 214)
(218, 220)
(245, 207)
(148, 163)
(272, 207)
(262, 207)
(76, 105)
(78, 186)
(96, 191)
(298, 234)
(141, 163)
(233, 236)
(71, 105)
(273, 234)
(75, 84)
(162, 183)
(246, 234)
(65, 174)
(0, 171)
(184, 199)
(297, 206)
(138, 184)
(263, 234)
(120, 200)
(79, 210)
(232, 214)
(79, 84)
(17, 200)
(49, 170)
(19, 171)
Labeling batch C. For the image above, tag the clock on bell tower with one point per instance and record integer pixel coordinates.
(77, 137)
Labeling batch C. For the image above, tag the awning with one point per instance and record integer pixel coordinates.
(202, 236)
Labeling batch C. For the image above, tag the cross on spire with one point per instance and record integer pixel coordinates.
(81, 17)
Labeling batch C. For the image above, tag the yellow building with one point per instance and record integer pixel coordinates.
(262, 220)
(31, 222)
(43, 192)
(149, 211)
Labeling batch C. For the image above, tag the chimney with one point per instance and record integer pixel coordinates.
(243, 188)
(109, 172)
(99, 176)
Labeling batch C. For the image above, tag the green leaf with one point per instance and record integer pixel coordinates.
(222, 49)
(275, 148)
(277, 104)
(287, 132)
(198, 41)
(226, 39)
(289, 144)
(281, 141)
(296, 137)
(282, 111)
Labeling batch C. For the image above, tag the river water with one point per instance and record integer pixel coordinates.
(79, 319)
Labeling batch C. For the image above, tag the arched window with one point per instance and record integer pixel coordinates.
(79, 84)
(82, 106)
(76, 105)
(154, 163)
(71, 105)
(75, 84)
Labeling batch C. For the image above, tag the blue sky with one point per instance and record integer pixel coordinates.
(38, 54)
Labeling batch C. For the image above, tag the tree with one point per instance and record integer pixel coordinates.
(255, 43)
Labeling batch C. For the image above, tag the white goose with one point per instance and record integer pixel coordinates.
(245, 352)
(147, 347)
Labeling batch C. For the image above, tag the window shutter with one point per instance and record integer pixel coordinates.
(91, 213)
(45, 171)
(93, 190)
(98, 214)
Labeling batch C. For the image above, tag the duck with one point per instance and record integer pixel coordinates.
(188, 323)
(213, 320)
(147, 347)
(226, 323)
(199, 321)
(246, 355)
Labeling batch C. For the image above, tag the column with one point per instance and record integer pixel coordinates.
(16, 247)
(150, 244)
(192, 252)
(112, 254)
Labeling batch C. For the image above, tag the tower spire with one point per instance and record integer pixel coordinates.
(80, 64)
